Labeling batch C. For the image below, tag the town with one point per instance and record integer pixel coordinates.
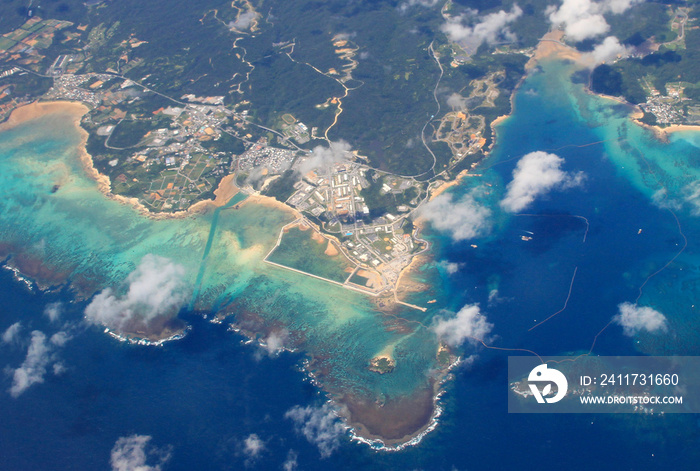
(175, 155)
(333, 199)
(671, 108)
(336, 196)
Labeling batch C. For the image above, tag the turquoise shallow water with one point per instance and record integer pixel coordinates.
(96, 242)
(221, 393)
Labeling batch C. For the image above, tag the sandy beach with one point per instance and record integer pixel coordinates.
(448, 184)
(551, 45)
(637, 114)
(404, 283)
(105, 185)
(38, 109)
(226, 190)
(389, 302)
(270, 202)
(499, 120)
(678, 127)
(77, 111)
(663, 133)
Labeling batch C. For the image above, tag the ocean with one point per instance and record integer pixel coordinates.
(214, 401)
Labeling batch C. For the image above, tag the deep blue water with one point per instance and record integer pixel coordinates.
(204, 394)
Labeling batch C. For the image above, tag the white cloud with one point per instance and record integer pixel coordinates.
(40, 354)
(468, 324)
(495, 298)
(59, 339)
(583, 19)
(260, 173)
(456, 101)
(634, 319)
(10, 335)
(345, 36)
(423, 3)
(610, 49)
(276, 341)
(155, 288)
(661, 199)
(319, 425)
(290, 464)
(491, 28)
(53, 311)
(462, 219)
(131, 454)
(324, 157)
(252, 447)
(244, 21)
(619, 6)
(691, 195)
(450, 267)
(33, 368)
(59, 368)
(536, 174)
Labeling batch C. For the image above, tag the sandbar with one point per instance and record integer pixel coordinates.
(270, 202)
(38, 109)
(551, 45)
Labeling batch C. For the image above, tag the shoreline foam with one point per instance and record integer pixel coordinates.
(359, 433)
(414, 438)
(76, 111)
(147, 342)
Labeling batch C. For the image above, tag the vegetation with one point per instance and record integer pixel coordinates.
(129, 133)
(286, 67)
(283, 187)
(226, 143)
(668, 64)
(382, 365)
(28, 85)
(380, 202)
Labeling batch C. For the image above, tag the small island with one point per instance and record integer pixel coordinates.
(382, 364)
